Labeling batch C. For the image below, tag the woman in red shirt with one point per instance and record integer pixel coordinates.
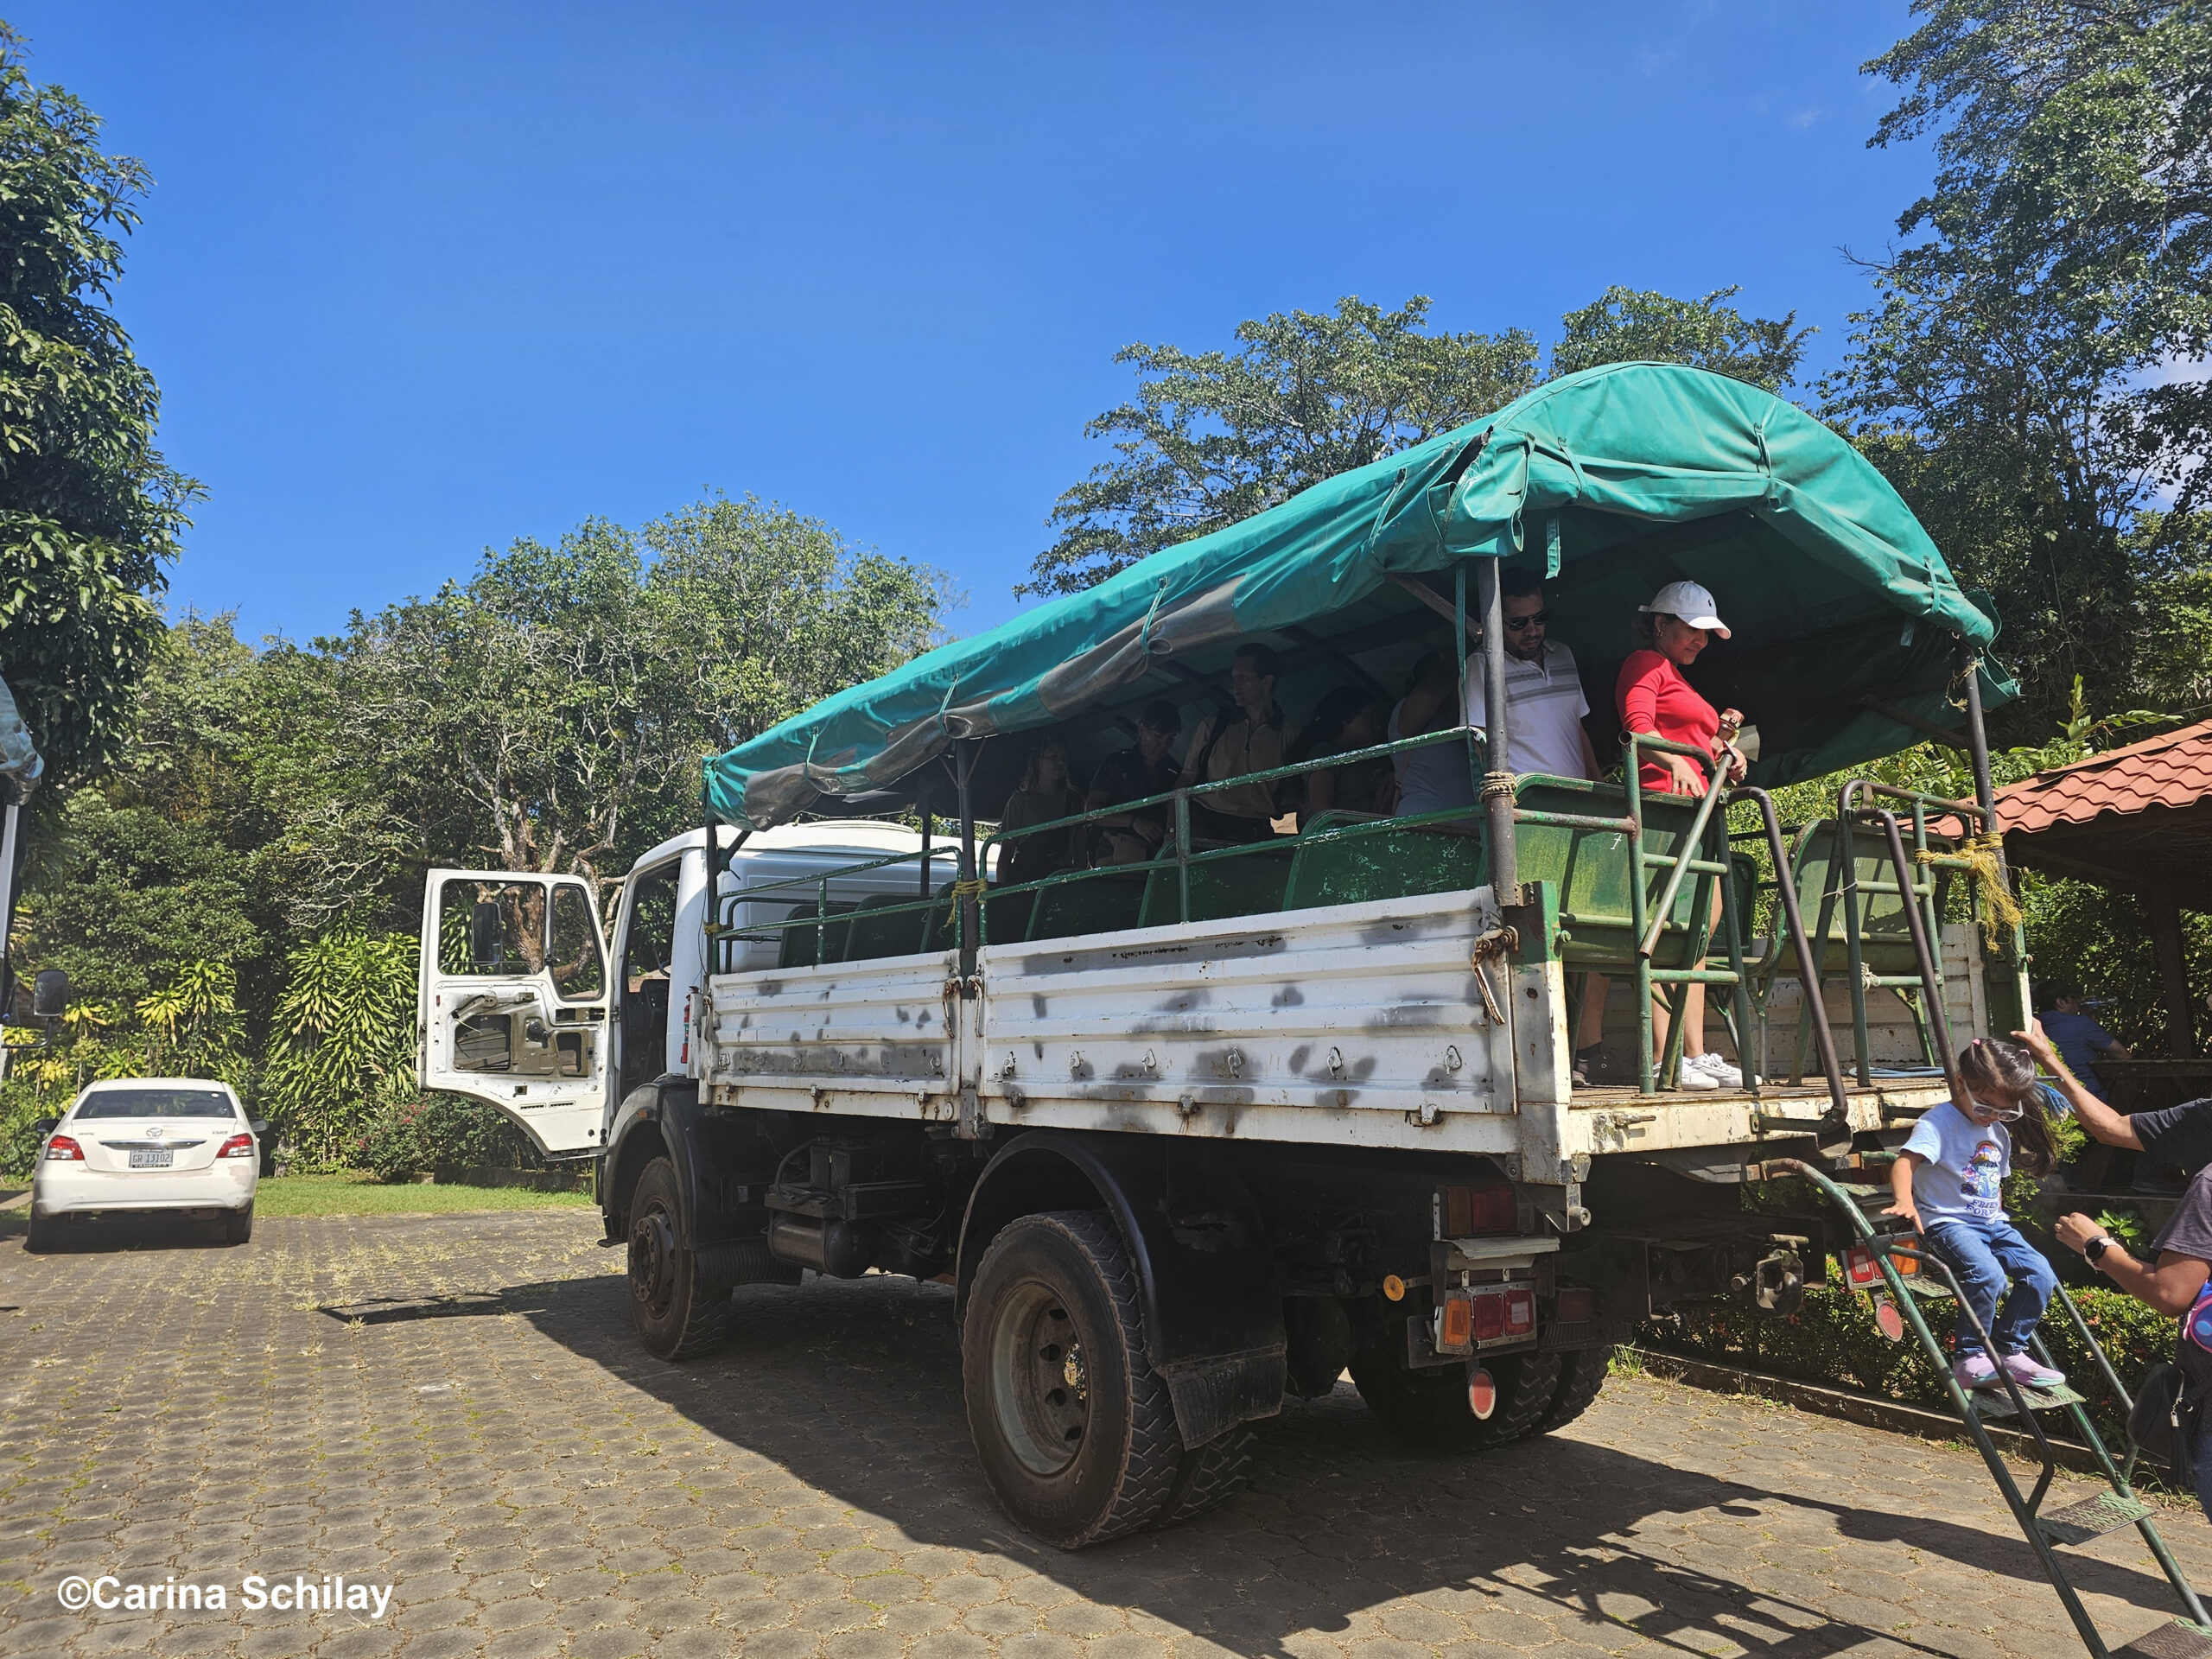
(1654, 698)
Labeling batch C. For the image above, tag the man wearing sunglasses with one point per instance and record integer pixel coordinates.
(1544, 707)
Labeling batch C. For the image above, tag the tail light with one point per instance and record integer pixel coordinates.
(1490, 1317)
(1454, 1334)
(1520, 1312)
(1488, 1208)
(60, 1149)
(238, 1146)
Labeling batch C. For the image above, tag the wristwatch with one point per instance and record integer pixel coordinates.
(2094, 1249)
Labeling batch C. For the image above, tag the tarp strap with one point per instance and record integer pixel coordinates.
(1144, 634)
(1551, 545)
(1382, 512)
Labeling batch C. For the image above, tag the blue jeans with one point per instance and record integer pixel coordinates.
(1984, 1254)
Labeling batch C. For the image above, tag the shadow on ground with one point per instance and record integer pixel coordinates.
(854, 1389)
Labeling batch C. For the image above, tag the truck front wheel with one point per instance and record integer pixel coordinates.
(1429, 1409)
(675, 1312)
(1076, 1433)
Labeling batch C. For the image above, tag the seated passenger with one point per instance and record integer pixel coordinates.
(1143, 770)
(1434, 778)
(1232, 742)
(1349, 717)
(1043, 796)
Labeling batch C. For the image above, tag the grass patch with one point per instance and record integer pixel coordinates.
(354, 1194)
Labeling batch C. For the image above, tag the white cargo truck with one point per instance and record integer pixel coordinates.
(1191, 1135)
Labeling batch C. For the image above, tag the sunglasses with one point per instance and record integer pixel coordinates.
(1535, 619)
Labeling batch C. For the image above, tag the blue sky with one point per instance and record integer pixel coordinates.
(420, 279)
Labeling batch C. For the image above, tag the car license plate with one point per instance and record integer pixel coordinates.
(151, 1157)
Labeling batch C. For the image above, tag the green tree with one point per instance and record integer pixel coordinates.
(89, 512)
(1214, 437)
(344, 1048)
(1626, 325)
(2007, 377)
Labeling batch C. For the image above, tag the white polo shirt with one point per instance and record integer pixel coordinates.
(1544, 707)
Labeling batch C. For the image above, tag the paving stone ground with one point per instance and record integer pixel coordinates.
(452, 1404)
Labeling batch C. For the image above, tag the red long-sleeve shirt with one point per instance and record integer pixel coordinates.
(1654, 698)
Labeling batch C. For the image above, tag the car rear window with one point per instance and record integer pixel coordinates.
(156, 1103)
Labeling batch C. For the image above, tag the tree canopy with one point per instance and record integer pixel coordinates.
(1213, 438)
(90, 513)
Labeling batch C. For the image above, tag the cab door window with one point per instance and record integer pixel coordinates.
(648, 952)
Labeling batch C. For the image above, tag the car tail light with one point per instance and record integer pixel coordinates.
(60, 1149)
(1486, 1209)
(1578, 1304)
(1520, 1312)
(238, 1146)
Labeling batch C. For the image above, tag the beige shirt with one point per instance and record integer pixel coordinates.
(1238, 748)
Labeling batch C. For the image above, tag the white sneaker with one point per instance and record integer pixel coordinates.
(1693, 1076)
(1726, 1076)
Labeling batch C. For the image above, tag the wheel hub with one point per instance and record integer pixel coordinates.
(1041, 1380)
(652, 1260)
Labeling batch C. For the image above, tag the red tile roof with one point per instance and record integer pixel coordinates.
(2174, 769)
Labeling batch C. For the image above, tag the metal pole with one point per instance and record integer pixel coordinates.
(1497, 803)
(971, 913)
(1985, 790)
(922, 801)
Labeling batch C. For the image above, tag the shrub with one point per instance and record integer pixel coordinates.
(402, 1138)
(1833, 1340)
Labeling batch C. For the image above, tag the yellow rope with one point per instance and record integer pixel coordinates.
(1999, 910)
(1495, 783)
(974, 889)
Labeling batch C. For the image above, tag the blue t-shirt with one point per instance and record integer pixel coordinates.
(2079, 1039)
(1964, 1177)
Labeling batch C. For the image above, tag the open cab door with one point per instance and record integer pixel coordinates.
(512, 1003)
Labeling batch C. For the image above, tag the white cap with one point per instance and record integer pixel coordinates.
(1687, 600)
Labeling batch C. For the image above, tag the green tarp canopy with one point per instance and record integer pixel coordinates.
(1614, 481)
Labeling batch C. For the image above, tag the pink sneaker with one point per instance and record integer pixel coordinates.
(1975, 1371)
(2025, 1369)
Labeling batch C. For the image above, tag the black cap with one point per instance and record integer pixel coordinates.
(1162, 716)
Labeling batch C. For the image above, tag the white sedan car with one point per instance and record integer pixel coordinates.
(178, 1145)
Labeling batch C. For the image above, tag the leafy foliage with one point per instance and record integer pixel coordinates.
(403, 1138)
(89, 512)
(2014, 378)
(1626, 325)
(1214, 437)
(344, 1046)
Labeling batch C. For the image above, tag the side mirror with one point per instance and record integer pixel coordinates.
(50, 995)
(260, 1127)
(42, 1127)
(487, 939)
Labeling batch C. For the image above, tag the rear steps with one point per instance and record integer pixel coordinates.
(2097, 1516)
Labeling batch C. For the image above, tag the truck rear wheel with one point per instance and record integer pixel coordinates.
(1076, 1433)
(1209, 1474)
(676, 1313)
(1581, 1374)
(1429, 1409)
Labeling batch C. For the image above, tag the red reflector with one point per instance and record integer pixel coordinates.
(1887, 1317)
(1490, 1316)
(1858, 1266)
(1482, 1394)
(1464, 1210)
(60, 1149)
(238, 1146)
(1577, 1304)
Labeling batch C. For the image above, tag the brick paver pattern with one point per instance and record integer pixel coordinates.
(454, 1404)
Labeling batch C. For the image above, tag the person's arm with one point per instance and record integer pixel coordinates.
(1421, 702)
(1589, 753)
(1640, 712)
(1321, 789)
(1194, 758)
(2113, 1129)
(2109, 1046)
(2170, 1287)
(1901, 1189)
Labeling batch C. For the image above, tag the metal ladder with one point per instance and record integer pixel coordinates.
(2047, 1532)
